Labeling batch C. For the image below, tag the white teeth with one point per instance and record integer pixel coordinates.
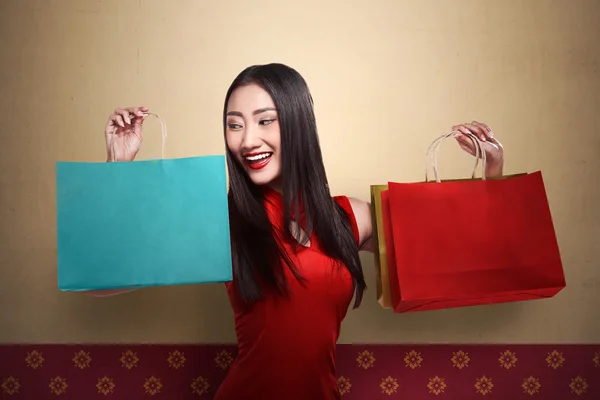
(258, 157)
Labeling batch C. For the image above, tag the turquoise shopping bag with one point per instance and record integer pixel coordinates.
(143, 223)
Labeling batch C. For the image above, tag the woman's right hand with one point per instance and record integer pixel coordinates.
(124, 133)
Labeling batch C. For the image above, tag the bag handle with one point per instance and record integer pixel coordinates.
(432, 155)
(163, 130)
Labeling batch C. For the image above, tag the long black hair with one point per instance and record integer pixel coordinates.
(257, 252)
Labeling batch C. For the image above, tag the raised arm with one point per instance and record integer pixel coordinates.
(123, 134)
(495, 164)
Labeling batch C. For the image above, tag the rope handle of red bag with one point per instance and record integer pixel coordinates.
(432, 155)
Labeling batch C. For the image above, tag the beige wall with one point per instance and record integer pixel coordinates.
(387, 77)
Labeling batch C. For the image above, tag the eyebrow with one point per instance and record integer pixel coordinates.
(255, 112)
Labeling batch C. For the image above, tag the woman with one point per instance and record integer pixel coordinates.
(295, 248)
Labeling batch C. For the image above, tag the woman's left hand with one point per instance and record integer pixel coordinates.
(494, 152)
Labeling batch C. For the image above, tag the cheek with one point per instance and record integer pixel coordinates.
(233, 144)
(274, 137)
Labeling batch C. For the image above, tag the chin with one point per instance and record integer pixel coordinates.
(262, 179)
(264, 175)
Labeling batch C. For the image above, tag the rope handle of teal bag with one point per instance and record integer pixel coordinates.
(163, 129)
(432, 155)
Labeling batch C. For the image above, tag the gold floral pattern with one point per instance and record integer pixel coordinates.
(82, 359)
(58, 385)
(105, 386)
(389, 385)
(460, 359)
(578, 386)
(10, 386)
(484, 385)
(365, 359)
(224, 359)
(415, 371)
(436, 385)
(555, 359)
(176, 359)
(34, 359)
(531, 385)
(344, 385)
(200, 386)
(153, 386)
(507, 359)
(413, 359)
(129, 359)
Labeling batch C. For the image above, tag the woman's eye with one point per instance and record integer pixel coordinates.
(266, 121)
(234, 126)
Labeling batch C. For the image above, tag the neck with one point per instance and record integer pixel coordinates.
(276, 185)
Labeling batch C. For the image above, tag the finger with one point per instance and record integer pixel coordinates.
(465, 140)
(137, 125)
(111, 125)
(137, 121)
(495, 142)
(478, 131)
(138, 111)
(125, 114)
(483, 125)
(490, 134)
(463, 129)
(486, 129)
(117, 119)
(466, 145)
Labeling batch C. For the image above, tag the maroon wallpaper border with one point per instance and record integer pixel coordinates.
(365, 371)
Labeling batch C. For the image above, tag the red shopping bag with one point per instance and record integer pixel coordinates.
(395, 296)
(470, 242)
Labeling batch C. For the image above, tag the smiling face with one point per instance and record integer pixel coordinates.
(253, 136)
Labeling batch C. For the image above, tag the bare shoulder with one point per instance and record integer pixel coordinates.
(362, 213)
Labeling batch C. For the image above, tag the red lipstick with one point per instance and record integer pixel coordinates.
(258, 161)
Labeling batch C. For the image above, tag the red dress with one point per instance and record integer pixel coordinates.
(286, 346)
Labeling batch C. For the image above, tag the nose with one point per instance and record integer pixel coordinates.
(251, 139)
